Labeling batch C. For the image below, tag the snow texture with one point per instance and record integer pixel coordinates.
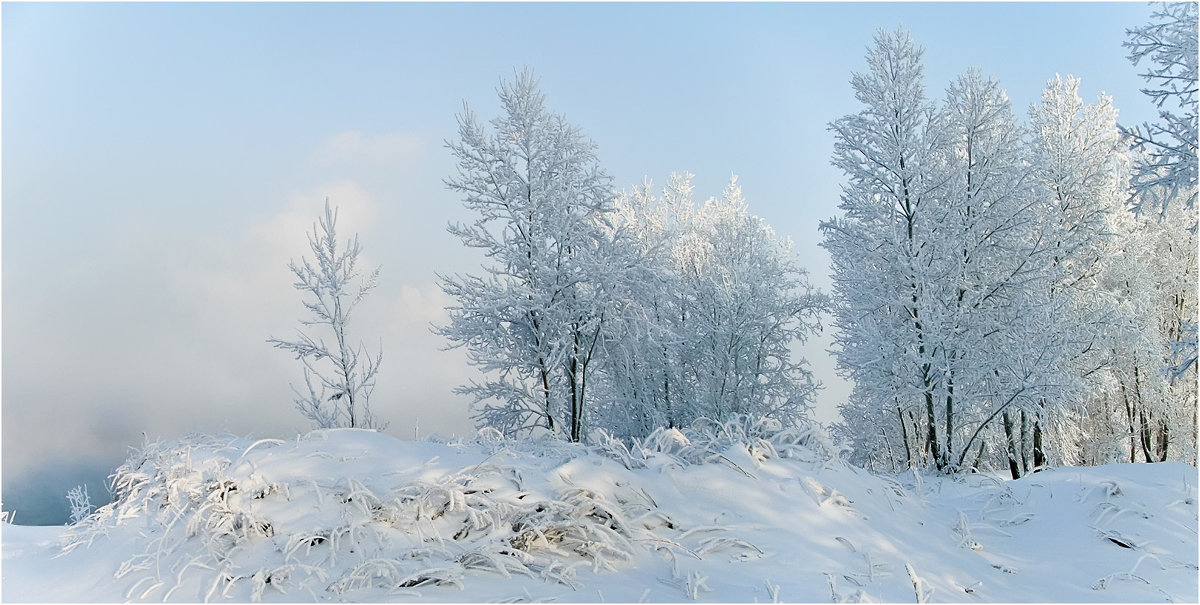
(737, 511)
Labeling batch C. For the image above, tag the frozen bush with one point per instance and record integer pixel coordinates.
(81, 503)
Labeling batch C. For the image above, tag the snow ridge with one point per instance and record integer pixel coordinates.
(742, 510)
(222, 521)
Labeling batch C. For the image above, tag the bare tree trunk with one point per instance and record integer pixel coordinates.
(1039, 452)
(1024, 443)
(1039, 449)
(1145, 434)
(891, 455)
(1132, 430)
(546, 393)
(573, 378)
(1013, 468)
(932, 420)
(1164, 438)
(978, 457)
(949, 422)
(904, 435)
(1147, 446)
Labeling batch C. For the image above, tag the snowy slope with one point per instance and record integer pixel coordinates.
(735, 512)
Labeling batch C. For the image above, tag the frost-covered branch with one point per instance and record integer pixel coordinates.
(345, 373)
(1167, 164)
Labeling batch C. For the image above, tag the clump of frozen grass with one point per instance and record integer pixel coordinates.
(708, 441)
(80, 502)
(227, 518)
(218, 527)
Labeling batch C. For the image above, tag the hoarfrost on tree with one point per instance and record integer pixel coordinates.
(340, 395)
(1166, 168)
(533, 321)
(972, 307)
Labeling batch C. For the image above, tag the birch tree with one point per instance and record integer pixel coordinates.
(1147, 411)
(990, 250)
(533, 321)
(995, 303)
(649, 344)
(1166, 163)
(883, 270)
(1166, 170)
(966, 264)
(1081, 169)
(711, 318)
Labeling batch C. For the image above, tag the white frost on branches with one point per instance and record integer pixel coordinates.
(81, 503)
(340, 396)
(990, 305)
(1166, 169)
(623, 315)
(709, 320)
(532, 323)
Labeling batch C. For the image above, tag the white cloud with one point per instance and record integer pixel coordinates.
(285, 233)
(422, 305)
(369, 151)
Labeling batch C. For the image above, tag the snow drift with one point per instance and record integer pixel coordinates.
(739, 511)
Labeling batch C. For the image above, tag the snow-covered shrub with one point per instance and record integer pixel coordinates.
(81, 503)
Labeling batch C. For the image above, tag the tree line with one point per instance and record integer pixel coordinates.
(1002, 296)
(617, 311)
(1007, 294)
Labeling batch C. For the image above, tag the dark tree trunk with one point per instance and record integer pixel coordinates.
(1039, 451)
(1132, 430)
(949, 423)
(1024, 443)
(1013, 467)
(908, 462)
(932, 421)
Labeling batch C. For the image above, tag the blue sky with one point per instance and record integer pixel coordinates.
(162, 162)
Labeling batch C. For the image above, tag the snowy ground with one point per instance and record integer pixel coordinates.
(734, 513)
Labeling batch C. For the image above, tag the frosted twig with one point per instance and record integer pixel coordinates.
(261, 442)
(772, 590)
(918, 585)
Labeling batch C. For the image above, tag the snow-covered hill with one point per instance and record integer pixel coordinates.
(734, 512)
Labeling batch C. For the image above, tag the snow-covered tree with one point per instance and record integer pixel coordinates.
(988, 246)
(934, 384)
(647, 347)
(883, 270)
(713, 315)
(1166, 162)
(1166, 170)
(995, 303)
(759, 303)
(341, 394)
(624, 316)
(967, 262)
(1148, 411)
(1175, 279)
(534, 320)
(1081, 172)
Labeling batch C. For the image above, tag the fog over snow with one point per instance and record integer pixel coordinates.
(162, 163)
